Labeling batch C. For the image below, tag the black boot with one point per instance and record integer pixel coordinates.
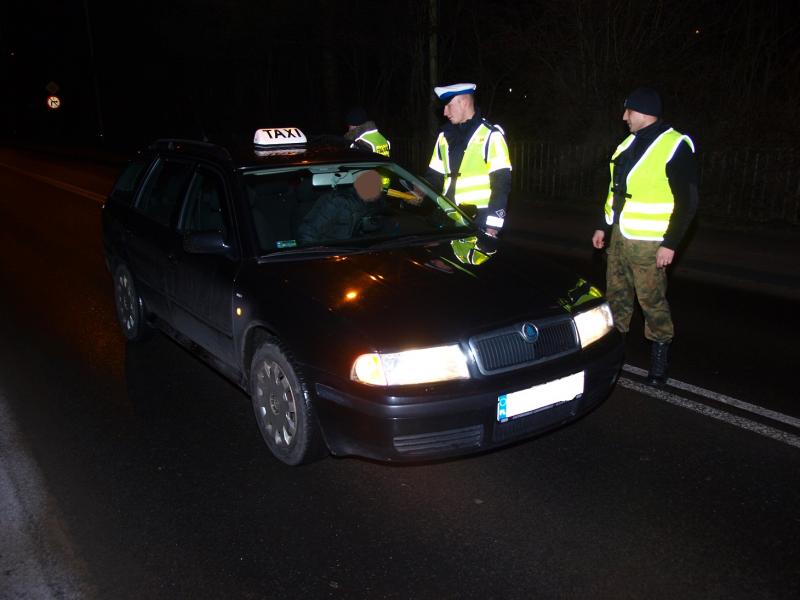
(658, 364)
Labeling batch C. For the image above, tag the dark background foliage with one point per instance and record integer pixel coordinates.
(729, 72)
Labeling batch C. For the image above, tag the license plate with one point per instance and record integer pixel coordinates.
(539, 396)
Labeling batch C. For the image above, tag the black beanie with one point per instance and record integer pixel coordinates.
(644, 100)
(356, 116)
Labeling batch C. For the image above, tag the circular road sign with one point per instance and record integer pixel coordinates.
(53, 102)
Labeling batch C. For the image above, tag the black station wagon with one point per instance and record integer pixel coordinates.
(380, 324)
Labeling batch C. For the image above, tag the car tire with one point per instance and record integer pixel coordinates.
(284, 408)
(129, 305)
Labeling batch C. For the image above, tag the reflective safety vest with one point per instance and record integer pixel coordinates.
(649, 205)
(469, 252)
(376, 141)
(486, 152)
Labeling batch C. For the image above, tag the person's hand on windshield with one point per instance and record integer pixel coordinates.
(418, 196)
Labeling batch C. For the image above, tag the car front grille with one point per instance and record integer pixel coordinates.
(506, 349)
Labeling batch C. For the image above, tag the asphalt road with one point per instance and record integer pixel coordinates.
(134, 471)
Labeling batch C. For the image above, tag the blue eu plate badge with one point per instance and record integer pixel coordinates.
(501, 408)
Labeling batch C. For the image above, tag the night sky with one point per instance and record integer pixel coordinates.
(559, 71)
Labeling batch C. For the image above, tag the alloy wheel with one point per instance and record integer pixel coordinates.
(126, 301)
(275, 404)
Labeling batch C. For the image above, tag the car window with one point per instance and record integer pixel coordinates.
(128, 180)
(323, 205)
(205, 203)
(164, 190)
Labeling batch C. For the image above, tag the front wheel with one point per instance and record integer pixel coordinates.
(130, 309)
(283, 408)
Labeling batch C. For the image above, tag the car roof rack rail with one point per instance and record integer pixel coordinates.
(173, 144)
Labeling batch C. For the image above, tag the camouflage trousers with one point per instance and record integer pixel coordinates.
(632, 274)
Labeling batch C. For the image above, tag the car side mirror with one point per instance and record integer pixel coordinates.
(206, 242)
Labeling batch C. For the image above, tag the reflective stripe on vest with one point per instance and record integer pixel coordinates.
(647, 211)
(376, 141)
(485, 153)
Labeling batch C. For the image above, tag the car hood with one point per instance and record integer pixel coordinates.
(419, 294)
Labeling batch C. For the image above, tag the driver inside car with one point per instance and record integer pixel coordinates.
(340, 213)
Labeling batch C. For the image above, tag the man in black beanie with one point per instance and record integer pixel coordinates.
(362, 131)
(651, 202)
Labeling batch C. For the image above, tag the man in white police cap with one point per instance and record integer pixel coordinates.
(470, 162)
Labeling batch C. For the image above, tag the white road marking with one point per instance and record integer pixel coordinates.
(99, 198)
(708, 411)
(36, 558)
(722, 398)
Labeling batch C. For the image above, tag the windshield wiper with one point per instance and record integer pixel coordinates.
(291, 253)
(416, 238)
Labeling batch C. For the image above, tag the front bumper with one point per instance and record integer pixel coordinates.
(451, 420)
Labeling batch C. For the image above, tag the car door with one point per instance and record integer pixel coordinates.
(201, 284)
(150, 230)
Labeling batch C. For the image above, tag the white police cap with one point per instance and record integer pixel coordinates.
(448, 91)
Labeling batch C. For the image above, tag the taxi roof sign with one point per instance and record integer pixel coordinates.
(279, 136)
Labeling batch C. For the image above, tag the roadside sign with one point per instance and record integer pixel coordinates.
(53, 102)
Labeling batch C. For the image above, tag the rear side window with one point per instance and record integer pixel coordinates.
(205, 204)
(127, 182)
(163, 191)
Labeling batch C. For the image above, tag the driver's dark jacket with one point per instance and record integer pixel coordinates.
(335, 215)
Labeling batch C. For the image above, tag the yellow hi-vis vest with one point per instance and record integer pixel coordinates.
(486, 152)
(647, 211)
(376, 141)
(469, 252)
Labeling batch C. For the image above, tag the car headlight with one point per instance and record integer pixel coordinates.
(594, 324)
(424, 365)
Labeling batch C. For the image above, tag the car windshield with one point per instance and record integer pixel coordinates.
(352, 205)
